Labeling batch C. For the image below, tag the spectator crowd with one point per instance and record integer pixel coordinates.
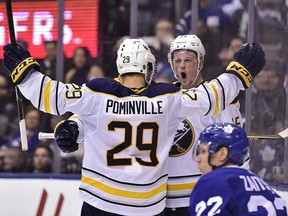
(222, 26)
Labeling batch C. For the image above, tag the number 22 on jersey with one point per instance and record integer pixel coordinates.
(253, 204)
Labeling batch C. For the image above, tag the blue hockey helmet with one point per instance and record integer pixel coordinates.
(228, 135)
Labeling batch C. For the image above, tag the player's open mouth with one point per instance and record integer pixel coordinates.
(183, 75)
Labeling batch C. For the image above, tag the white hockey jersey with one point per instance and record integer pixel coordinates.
(183, 172)
(128, 134)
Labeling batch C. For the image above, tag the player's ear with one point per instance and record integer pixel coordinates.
(201, 64)
(223, 154)
(149, 71)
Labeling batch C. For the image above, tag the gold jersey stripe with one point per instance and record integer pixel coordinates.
(47, 90)
(216, 110)
(177, 187)
(123, 193)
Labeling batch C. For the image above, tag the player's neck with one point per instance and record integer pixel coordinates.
(135, 81)
(193, 85)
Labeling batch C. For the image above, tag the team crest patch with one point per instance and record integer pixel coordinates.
(183, 139)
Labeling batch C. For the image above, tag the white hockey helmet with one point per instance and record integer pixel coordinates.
(134, 56)
(190, 43)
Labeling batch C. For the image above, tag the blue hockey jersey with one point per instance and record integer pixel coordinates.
(235, 191)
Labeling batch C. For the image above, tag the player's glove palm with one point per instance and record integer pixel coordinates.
(18, 62)
(66, 135)
(247, 62)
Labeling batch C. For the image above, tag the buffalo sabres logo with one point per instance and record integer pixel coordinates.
(183, 139)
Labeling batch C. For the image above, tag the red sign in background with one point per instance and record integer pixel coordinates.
(36, 22)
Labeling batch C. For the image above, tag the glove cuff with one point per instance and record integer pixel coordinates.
(20, 72)
(241, 72)
(57, 125)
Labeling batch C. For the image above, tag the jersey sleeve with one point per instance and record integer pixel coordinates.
(211, 197)
(80, 124)
(210, 98)
(55, 97)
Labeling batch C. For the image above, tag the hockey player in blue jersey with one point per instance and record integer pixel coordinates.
(127, 124)
(224, 188)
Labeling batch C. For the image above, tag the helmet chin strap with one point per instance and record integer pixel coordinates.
(198, 72)
(194, 80)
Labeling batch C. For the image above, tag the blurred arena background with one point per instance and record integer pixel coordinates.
(75, 41)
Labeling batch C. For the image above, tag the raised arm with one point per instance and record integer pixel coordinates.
(213, 97)
(47, 95)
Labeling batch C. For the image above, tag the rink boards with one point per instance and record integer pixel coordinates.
(46, 195)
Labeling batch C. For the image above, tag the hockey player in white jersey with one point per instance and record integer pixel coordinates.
(186, 57)
(127, 124)
(224, 187)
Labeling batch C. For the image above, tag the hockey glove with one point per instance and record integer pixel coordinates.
(248, 62)
(18, 62)
(66, 135)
